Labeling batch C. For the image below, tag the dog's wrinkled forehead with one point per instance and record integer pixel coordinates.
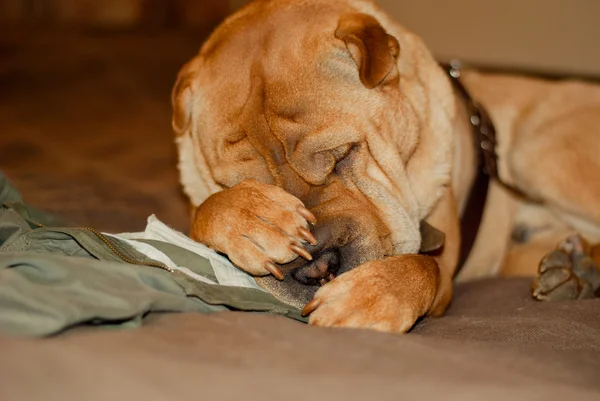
(271, 36)
(300, 40)
(263, 44)
(292, 56)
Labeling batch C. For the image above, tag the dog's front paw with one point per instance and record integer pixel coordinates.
(255, 225)
(567, 273)
(386, 295)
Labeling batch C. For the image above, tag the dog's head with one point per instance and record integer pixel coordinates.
(332, 101)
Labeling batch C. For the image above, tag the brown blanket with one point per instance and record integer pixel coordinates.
(86, 134)
(494, 344)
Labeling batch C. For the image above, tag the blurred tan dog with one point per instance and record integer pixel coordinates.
(329, 112)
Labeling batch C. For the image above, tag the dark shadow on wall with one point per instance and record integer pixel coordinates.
(85, 99)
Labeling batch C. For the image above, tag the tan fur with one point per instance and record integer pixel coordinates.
(252, 223)
(549, 146)
(347, 111)
(399, 290)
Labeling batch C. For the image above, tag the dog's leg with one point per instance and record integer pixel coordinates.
(445, 218)
(255, 225)
(386, 295)
(559, 164)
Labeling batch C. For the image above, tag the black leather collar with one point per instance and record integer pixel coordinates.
(484, 135)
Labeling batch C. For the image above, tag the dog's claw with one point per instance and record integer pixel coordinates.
(311, 307)
(307, 214)
(301, 251)
(307, 235)
(274, 270)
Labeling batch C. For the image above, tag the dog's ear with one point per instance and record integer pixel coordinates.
(181, 100)
(372, 48)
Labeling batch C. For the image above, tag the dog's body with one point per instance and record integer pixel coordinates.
(330, 109)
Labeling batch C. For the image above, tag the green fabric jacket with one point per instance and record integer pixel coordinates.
(54, 277)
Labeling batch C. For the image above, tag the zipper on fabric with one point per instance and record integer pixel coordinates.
(104, 239)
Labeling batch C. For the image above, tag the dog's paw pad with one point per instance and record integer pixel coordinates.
(567, 273)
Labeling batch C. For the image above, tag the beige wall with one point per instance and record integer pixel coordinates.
(557, 36)
(552, 35)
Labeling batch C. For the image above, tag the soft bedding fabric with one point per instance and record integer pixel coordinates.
(85, 133)
(495, 344)
(53, 278)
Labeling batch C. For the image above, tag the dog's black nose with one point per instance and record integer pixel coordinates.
(321, 270)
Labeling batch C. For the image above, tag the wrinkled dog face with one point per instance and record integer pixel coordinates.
(315, 97)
